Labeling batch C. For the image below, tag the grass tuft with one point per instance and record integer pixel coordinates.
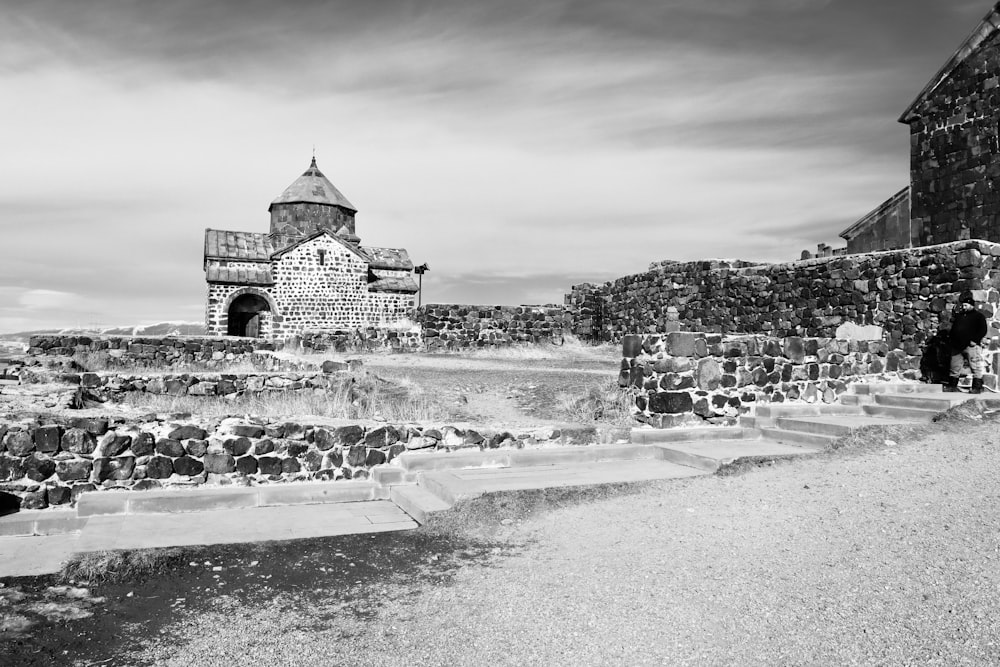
(606, 403)
(363, 397)
(100, 567)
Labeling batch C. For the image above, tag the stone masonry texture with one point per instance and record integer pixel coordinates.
(955, 152)
(906, 292)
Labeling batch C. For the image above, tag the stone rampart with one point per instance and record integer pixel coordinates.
(51, 462)
(906, 292)
(693, 379)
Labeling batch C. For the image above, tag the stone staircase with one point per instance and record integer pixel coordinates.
(425, 484)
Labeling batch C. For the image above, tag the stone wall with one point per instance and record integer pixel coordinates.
(52, 463)
(906, 292)
(165, 351)
(455, 326)
(955, 152)
(886, 228)
(693, 379)
(113, 386)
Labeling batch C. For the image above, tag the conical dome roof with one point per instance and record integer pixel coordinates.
(313, 187)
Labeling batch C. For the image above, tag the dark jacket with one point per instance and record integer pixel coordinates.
(967, 326)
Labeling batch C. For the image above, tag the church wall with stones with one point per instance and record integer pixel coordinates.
(909, 293)
(51, 463)
(694, 379)
(955, 147)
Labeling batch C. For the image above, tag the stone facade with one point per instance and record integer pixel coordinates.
(308, 273)
(694, 379)
(886, 228)
(954, 189)
(906, 292)
(955, 154)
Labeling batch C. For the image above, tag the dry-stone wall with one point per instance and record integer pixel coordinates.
(359, 340)
(452, 326)
(160, 352)
(691, 379)
(113, 386)
(51, 462)
(906, 292)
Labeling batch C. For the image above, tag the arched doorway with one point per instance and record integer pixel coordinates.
(245, 315)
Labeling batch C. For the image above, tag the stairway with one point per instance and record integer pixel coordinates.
(423, 484)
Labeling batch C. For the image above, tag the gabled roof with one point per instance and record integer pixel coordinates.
(306, 239)
(245, 246)
(313, 187)
(388, 258)
(983, 32)
(390, 283)
(871, 217)
(239, 276)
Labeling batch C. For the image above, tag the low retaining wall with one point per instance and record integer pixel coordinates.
(53, 463)
(690, 379)
(112, 386)
(164, 352)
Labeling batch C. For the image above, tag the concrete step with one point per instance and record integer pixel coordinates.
(837, 426)
(650, 436)
(508, 458)
(894, 388)
(899, 412)
(99, 503)
(711, 455)
(797, 437)
(41, 522)
(455, 486)
(938, 402)
(417, 501)
(774, 411)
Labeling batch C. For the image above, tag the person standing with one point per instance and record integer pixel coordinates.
(968, 326)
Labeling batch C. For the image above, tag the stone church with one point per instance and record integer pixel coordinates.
(308, 273)
(954, 190)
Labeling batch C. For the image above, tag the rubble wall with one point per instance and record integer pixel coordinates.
(694, 379)
(906, 292)
(50, 463)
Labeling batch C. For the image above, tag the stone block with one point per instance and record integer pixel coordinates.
(219, 463)
(709, 375)
(48, 438)
(682, 344)
(670, 402)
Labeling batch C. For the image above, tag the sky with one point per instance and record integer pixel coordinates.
(516, 147)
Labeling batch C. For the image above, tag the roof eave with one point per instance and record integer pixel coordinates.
(986, 28)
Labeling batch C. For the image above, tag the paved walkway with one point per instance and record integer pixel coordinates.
(35, 555)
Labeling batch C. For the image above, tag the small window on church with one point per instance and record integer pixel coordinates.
(322, 256)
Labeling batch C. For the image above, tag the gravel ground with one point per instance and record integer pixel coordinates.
(888, 555)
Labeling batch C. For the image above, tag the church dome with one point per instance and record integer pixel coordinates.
(312, 187)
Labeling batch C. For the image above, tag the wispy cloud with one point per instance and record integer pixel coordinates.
(511, 145)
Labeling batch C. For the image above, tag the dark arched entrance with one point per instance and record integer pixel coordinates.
(245, 315)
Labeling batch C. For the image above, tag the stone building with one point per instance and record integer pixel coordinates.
(308, 273)
(954, 191)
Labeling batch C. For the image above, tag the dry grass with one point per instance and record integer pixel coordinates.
(605, 404)
(118, 566)
(366, 397)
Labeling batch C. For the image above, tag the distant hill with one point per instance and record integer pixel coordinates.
(159, 329)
